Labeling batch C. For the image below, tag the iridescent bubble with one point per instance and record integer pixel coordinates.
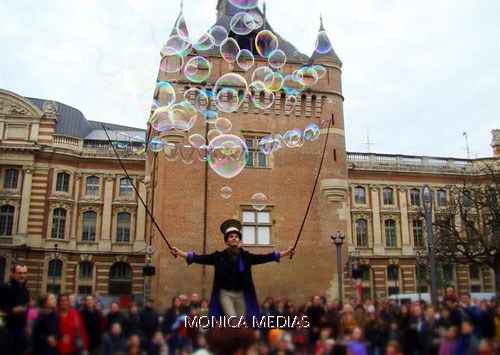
(172, 63)
(277, 59)
(219, 34)
(290, 102)
(231, 90)
(187, 153)
(255, 22)
(239, 23)
(293, 138)
(244, 4)
(226, 192)
(259, 201)
(170, 151)
(205, 42)
(197, 69)
(197, 97)
(176, 44)
(265, 43)
(229, 50)
(182, 115)
(211, 116)
(278, 142)
(223, 125)
(164, 93)
(311, 132)
(320, 70)
(309, 76)
(323, 44)
(265, 145)
(245, 59)
(196, 140)
(160, 119)
(156, 144)
(293, 84)
(227, 155)
(213, 133)
(273, 81)
(260, 73)
(201, 153)
(261, 96)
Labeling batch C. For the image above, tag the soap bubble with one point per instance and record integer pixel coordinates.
(323, 44)
(265, 43)
(240, 23)
(245, 59)
(197, 69)
(229, 50)
(259, 201)
(293, 84)
(205, 42)
(172, 63)
(219, 34)
(170, 151)
(273, 81)
(231, 90)
(223, 125)
(277, 59)
(227, 155)
(156, 144)
(244, 4)
(226, 192)
(309, 76)
(311, 132)
(196, 140)
(320, 70)
(164, 93)
(293, 138)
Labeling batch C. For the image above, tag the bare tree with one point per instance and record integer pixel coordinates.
(467, 230)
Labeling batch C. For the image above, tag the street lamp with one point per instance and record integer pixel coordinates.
(417, 257)
(427, 201)
(338, 240)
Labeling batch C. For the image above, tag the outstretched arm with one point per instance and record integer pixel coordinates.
(289, 251)
(178, 252)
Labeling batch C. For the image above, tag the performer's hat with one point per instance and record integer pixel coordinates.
(230, 226)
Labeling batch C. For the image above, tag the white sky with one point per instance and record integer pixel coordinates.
(416, 74)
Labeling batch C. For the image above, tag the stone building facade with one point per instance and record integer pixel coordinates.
(67, 209)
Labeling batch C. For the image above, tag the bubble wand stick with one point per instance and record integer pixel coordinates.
(313, 189)
(135, 189)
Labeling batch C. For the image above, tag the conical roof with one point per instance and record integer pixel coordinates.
(323, 47)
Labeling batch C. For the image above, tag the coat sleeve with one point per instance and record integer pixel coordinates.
(265, 258)
(206, 259)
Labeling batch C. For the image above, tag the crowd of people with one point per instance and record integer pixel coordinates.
(67, 325)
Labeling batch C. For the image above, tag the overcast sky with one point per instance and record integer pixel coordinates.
(416, 74)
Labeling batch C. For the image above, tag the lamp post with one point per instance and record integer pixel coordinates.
(427, 202)
(417, 257)
(338, 240)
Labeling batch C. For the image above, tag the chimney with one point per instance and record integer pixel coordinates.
(495, 142)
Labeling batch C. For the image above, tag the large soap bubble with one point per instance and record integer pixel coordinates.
(244, 4)
(266, 42)
(182, 115)
(164, 93)
(197, 69)
(219, 34)
(293, 84)
(241, 23)
(230, 92)
(259, 201)
(229, 50)
(311, 132)
(277, 59)
(227, 155)
(245, 59)
(323, 44)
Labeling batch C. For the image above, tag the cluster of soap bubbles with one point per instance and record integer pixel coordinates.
(174, 109)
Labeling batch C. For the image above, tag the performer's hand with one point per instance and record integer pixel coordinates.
(178, 252)
(289, 251)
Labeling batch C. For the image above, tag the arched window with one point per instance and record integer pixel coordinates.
(120, 279)
(10, 179)
(388, 196)
(359, 195)
(89, 226)
(393, 281)
(58, 223)
(92, 186)
(125, 187)
(123, 227)
(62, 182)
(415, 197)
(6, 220)
(362, 233)
(391, 239)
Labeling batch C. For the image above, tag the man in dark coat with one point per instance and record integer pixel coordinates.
(93, 322)
(14, 299)
(233, 291)
(148, 323)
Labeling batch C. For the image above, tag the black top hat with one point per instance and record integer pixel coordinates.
(230, 226)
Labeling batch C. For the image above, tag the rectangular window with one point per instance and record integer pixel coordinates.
(359, 195)
(58, 223)
(89, 226)
(123, 228)
(362, 232)
(441, 198)
(86, 270)
(418, 233)
(255, 158)
(6, 220)
(126, 188)
(55, 289)
(92, 186)
(390, 234)
(256, 227)
(62, 182)
(10, 179)
(415, 197)
(388, 195)
(84, 290)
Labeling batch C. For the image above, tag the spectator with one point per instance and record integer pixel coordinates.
(113, 341)
(230, 341)
(449, 342)
(114, 316)
(46, 327)
(71, 328)
(132, 325)
(356, 345)
(14, 300)
(148, 322)
(93, 322)
(315, 314)
(468, 344)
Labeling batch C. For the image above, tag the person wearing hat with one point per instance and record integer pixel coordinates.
(233, 291)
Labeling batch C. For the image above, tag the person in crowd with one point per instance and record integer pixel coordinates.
(45, 335)
(113, 342)
(315, 313)
(14, 300)
(148, 322)
(93, 322)
(134, 345)
(468, 343)
(132, 325)
(356, 346)
(449, 342)
(233, 290)
(73, 337)
(114, 316)
(231, 341)
(375, 334)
